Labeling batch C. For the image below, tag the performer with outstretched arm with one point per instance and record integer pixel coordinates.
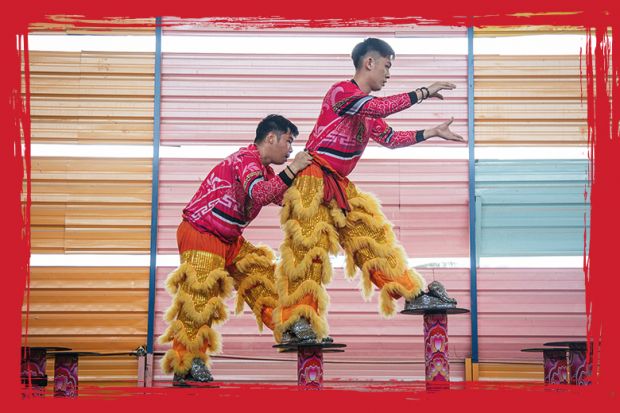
(323, 210)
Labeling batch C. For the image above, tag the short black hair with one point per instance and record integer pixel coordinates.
(274, 123)
(370, 45)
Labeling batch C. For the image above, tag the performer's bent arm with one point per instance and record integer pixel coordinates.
(265, 191)
(350, 104)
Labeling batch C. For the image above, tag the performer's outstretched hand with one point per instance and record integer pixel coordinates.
(444, 132)
(301, 161)
(437, 86)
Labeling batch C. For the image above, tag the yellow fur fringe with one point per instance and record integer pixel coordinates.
(296, 272)
(293, 229)
(250, 282)
(174, 363)
(294, 203)
(186, 273)
(308, 287)
(263, 258)
(176, 331)
(386, 302)
(261, 303)
(214, 310)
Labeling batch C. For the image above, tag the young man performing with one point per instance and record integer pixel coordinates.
(324, 210)
(214, 255)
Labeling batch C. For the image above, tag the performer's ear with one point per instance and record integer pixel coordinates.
(370, 63)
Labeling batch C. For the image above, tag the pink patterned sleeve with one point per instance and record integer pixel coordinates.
(350, 102)
(386, 136)
(263, 190)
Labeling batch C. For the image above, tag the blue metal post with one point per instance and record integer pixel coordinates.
(155, 188)
(473, 273)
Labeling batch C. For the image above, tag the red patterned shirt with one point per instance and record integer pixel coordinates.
(233, 193)
(349, 118)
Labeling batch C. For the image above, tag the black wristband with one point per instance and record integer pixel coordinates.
(413, 97)
(427, 92)
(419, 136)
(285, 178)
(291, 170)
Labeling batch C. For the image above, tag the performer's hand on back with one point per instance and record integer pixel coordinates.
(444, 132)
(301, 161)
(437, 86)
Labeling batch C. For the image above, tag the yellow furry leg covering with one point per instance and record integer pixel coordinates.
(198, 288)
(304, 267)
(253, 271)
(369, 242)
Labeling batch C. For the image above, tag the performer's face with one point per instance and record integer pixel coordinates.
(282, 147)
(379, 71)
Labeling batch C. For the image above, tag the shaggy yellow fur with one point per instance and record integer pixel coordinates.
(386, 302)
(299, 271)
(257, 309)
(214, 310)
(254, 271)
(249, 283)
(295, 231)
(388, 256)
(176, 331)
(173, 362)
(262, 257)
(308, 287)
(217, 280)
(198, 287)
(313, 230)
(295, 204)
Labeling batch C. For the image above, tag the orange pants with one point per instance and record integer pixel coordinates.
(313, 229)
(209, 271)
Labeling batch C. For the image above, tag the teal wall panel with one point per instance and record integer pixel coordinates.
(531, 207)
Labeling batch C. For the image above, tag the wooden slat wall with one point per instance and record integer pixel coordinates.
(101, 309)
(529, 100)
(96, 205)
(92, 97)
(91, 205)
(534, 371)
